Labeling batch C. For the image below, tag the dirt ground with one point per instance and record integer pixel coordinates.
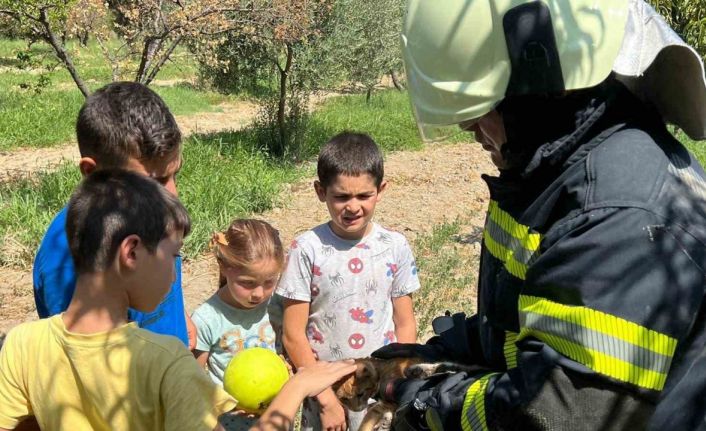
(441, 182)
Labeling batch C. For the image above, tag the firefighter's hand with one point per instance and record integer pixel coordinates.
(452, 344)
(438, 399)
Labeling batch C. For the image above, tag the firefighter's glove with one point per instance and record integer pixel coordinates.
(453, 344)
(432, 403)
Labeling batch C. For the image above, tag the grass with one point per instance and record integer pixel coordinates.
(387, 118)
(27, 207)
(225, 175)
(447, 271)
(32, 117)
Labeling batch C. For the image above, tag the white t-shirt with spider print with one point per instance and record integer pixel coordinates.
(350, 285)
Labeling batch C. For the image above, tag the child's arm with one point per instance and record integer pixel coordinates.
(190, 331)
(201, 357)
(403, 316)
(204, 336)
(296, 317)
(307, 382)
(405, 281)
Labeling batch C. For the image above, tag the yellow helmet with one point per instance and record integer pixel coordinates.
(462, 57)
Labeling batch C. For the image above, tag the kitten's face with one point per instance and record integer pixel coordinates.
(355, 391)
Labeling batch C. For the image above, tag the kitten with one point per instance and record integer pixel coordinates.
(355, 391)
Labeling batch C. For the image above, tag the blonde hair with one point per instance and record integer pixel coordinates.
(245, 242)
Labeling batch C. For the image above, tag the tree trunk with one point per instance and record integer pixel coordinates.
(368, 94)
(283, 76)
(398, 84)
(151, 46)
(51, 39)
(160, 63)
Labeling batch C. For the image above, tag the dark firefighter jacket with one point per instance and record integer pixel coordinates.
(591, 289)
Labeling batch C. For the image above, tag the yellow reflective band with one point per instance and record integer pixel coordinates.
(604, 343)
(529, 241)
(510, 349)
(473, 413)
(505, 255)
(509, 241)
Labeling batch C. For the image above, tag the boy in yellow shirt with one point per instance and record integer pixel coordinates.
(88, 368)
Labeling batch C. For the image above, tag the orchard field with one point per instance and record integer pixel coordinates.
(436, 197)
(256, 91)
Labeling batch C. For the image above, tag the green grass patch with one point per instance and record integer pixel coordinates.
(34, 115)
(49, 118)
(447, 271)
(698, 148)
(27, 206)
(387, 118)
(224, 175)
(222, 178)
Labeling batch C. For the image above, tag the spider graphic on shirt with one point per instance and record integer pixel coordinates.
(335, 351)
(371, 287)
(336, 279)
(329, 320)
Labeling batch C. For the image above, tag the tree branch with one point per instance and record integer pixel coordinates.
(51, 38)
(164, 59)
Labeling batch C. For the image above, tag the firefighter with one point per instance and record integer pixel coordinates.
(591, 311)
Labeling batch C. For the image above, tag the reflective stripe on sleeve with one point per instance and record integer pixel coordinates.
(473, 413)
(606, 344)
(510, 349)
(509, 241)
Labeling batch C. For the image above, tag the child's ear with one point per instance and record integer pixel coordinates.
(381, 190)
(320, 191)
(128, 252)
(87, 165)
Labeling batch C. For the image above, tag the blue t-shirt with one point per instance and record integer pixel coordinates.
(54, 279)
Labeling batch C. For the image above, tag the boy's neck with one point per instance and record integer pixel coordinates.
(98, 305)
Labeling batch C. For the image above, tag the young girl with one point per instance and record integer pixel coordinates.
(250, 258)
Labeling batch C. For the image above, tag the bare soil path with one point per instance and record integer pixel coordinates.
(426, 188)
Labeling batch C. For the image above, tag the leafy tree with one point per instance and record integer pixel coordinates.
(364, 41)
(273, 47)
(149, 30)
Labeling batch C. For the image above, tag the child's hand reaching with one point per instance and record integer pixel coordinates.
(307, 382)
(333, 416)
(317, 377)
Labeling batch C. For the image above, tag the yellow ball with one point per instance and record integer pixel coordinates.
(253, 377)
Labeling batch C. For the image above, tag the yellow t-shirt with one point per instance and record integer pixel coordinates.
(124, 379)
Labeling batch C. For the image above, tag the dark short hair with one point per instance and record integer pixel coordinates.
(352, 154)
(111, 204)
(123, 120)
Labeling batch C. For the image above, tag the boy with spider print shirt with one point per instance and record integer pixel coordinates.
(348, 283)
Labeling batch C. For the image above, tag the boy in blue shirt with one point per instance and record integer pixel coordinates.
(122, 125)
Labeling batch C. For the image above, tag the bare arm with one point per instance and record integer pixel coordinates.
(403, 317)
(201, 357)
(190, 331)
(296, 317)
(308, 381)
